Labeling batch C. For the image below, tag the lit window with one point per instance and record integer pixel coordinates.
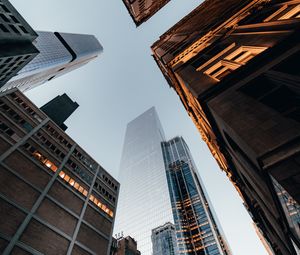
(92, 197)
(76, 185)
(72, 182)
(84, 192)
(66, 178)
(233, 61)
(285, 12)
(62, 174)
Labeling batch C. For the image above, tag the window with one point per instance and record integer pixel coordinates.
(233, 61)
(287, 11)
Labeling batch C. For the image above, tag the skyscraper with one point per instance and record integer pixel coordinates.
(16, 37)
(55, 199)
(164, 240)
(235, 66)
(196, 226)
(60, 53)
(59, 109)
(142, 10)
(144, 203)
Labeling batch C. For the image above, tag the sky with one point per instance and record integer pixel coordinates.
(124, 82)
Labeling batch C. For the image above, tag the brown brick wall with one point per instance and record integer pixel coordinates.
(4, 146)
(27, 169)
(19, 251)
(96, 220)
(3, 244)
(57, 217)
(9, 225)
(97, 244)
(44, 240)
(66, 197)
(17, 190)
(78, 251)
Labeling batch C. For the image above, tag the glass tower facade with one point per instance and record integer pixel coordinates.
(196, 227)
(143, 203)
(60, 53)
(164, 240)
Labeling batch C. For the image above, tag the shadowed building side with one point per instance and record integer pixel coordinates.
(234, 65)
(59, 109)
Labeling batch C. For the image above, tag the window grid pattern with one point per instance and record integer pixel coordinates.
(65, 198)
(197, 231)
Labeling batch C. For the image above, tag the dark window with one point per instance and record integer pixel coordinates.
(4, 18)
(3, 28)
(14, 29)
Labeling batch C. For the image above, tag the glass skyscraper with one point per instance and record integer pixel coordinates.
(164, 241)
(143, 203)
(197, 230)
(60, 53)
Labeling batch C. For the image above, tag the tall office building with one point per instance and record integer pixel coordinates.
(164, 240)
(235, 66)
(196, 226)
(59, 109)
(144, 203)
(16, 37)
(142, 10)
(60, 53)
(54, 198)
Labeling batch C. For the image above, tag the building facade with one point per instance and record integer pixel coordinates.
(164, 240)
(127, 246)
(54, 196)
(142, 205)
(142, 10)
(16, 42)
(59, 109)
(196, 226)
(234, 65)
(59, 54)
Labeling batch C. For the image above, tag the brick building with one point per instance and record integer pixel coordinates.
(142, 10)
(127, 246)
(235, 66)
(55, 199)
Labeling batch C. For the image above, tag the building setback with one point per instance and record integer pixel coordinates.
(55, 199)
(16, 37)
(164, 241)
(196, 226)
(142, 10)
(236, 71)
(59, 109)
(59, 54)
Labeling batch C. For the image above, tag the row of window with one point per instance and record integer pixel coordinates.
(25, 106)
(9, 132)
(109, 182)
(104, 192)
(59, 137)
(70, 181)
(15, 116)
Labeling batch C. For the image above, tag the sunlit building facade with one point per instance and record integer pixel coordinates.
(144, 203)
(54, 198)
(235, 66)
(142, 10)
(164, 240)
(196, 227)
(59, 54)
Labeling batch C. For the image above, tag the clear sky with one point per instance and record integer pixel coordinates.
(124, 82)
